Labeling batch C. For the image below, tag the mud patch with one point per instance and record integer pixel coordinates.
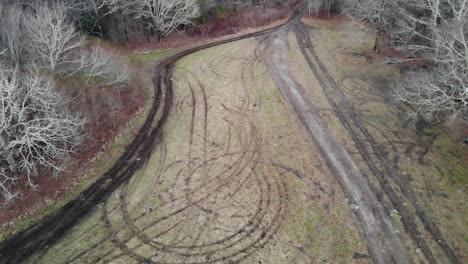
(347, 57)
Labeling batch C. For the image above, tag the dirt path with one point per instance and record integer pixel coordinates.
(373, 154)
(383, 239)
(222, 184)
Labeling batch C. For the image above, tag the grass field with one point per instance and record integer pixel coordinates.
(233, 180)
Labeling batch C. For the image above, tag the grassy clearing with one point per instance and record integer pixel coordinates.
(206, 181)
(150, 57)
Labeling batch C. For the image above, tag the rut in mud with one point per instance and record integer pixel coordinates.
(383, 241)
(373, 155)
(50, 229)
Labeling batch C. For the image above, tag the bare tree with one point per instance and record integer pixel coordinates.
(36, 129)
(51, 40)
(90, 16)
(315, 6)
(432, 95)
(101, 65)
(38, 43)
(11, 33)
(378, 13)
(53, 43)
(434, 32)
(163, 16)
(439, 37)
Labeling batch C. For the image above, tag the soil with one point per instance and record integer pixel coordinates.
(392, 181)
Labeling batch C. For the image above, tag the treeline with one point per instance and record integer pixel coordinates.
(315, 7)
(432, 35)
(123, 20)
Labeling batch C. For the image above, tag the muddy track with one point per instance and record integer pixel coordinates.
(196, 251)
(384, 243)
(53, 227)
(374, 154)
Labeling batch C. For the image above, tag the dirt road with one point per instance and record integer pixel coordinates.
(382, 237)
(374, 158)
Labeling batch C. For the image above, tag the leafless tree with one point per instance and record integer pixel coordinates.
(442, 39)
(99, 64)
(378, 14)
(315, 6)
(10, 33)
(36, 129)
(53, 43)
(432, 95)
(433, 33)
(89, 15)
(51, 40)
(94, 8)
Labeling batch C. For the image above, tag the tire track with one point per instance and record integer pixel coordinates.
(165, 247)
(384, 244)
(242, 235)
(245, 232)
(374, 154)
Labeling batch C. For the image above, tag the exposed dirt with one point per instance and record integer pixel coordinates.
(223, 186)
(41, 235)
(407, 175)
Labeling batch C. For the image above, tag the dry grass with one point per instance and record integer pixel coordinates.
(110, 129)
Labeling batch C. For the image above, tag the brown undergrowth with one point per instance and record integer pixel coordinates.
(107, 109)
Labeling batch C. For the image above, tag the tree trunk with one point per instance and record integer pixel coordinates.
(147, 34)
(377, 44)
(160, 36)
